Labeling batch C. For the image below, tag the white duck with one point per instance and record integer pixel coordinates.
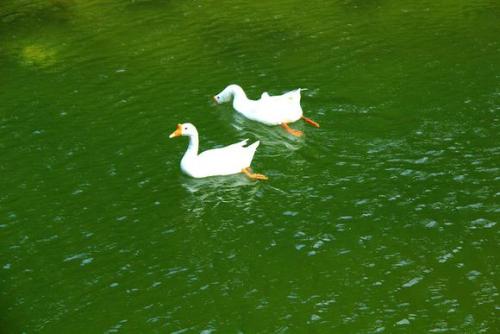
(270, 110)
(232, 159)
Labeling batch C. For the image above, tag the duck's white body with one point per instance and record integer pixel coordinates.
(270, 110)
(227, 160)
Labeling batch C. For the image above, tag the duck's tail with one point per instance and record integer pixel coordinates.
(253, 146)
(251, 150)
(294, 94)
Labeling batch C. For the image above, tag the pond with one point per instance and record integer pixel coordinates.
(383, 220)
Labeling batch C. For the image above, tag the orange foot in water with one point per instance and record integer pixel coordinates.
(296, 133)
(253, 176)
(310, 121)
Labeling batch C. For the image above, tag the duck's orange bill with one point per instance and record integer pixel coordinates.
(177, 132)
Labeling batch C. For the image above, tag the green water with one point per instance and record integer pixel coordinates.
(384, 220)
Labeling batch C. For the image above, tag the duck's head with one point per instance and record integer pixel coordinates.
(218, 99)
(222, 97)
(227, 93)
(185, 129)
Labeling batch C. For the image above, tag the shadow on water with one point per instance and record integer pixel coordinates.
(215, 185)
(274, 141)
(212, 194)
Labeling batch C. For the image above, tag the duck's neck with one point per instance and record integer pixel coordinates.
(238, 94)
(192, 150)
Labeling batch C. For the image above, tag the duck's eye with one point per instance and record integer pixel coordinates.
(185, 128)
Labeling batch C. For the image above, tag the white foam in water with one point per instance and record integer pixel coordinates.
(412, 282)
(403, 322)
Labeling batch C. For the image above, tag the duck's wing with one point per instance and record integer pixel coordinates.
(230, 151)
(282, 101)
(294, 94)
(229, 159)
(237, 145)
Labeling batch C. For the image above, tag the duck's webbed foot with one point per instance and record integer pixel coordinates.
(296, 133)
(253, 176)
(310, 121)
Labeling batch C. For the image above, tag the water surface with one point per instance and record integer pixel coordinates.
(383, 220)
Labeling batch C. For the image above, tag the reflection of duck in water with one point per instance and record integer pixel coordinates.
(202, 196)
(270, 110)
(232, 159)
